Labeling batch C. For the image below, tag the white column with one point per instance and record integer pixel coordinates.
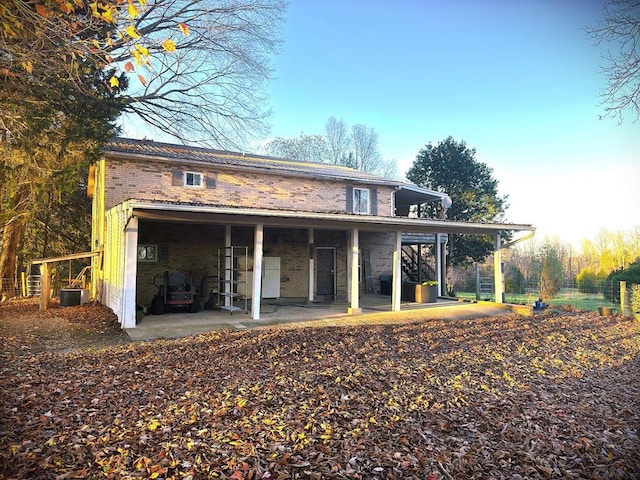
(354, 290)
(397, 273)
(128, 306)
(443, 248)
(497, 269)
(311, 265)
(439, 263)
(256, 294)
(228, 267)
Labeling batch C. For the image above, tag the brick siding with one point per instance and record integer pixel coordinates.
(193, 250)
(148, 180)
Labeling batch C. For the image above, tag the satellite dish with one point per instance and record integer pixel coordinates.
(446, 202)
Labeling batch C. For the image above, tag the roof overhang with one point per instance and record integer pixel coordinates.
(183, 213)
(407, 195)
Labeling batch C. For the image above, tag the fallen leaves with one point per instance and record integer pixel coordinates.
(503, 397)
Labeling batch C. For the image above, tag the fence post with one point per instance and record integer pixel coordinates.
(625, 301)
(45, 294)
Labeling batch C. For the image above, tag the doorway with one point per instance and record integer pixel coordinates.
(326, 272)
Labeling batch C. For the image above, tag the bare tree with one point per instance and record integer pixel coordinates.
(620, 29)
(388, 168)
(210, 89)
(337, 136)
(364, 142)
(304, 148)
(195, 69)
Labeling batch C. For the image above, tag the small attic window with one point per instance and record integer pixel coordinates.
(193, 179)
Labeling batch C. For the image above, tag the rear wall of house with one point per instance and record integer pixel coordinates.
(153, 181)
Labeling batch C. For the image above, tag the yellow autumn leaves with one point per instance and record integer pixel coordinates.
(69, 18)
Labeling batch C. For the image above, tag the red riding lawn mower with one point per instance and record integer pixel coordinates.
(174, 292)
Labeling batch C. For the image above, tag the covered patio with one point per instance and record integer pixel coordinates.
(376, 309)
(121, 276)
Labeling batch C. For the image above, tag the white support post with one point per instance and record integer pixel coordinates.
(256, 294)
(311, 265)
(355, 289)
(128, 318)
(439, 263)
(228, 267)
(497, 269)
(397, 273)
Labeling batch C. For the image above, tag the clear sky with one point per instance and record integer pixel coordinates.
(517, 80)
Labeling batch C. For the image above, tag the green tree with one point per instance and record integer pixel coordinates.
(55, 140)
(550, 281)
(630, 274)
(193, 68)
(451, 167)
(514, 281)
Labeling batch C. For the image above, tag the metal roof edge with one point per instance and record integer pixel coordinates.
(443, 226)
(370, 179)
(418, 189)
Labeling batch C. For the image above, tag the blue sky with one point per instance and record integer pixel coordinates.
(517, 80)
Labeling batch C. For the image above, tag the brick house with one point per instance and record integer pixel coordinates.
(333, 230)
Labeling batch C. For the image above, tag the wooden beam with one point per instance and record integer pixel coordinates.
(73, 256)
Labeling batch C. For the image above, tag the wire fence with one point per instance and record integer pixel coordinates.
(10, 288)
(602, 294)
(31, 286)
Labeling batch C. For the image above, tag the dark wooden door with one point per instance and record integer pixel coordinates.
(326, 271)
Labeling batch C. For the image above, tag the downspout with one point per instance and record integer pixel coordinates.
(518, 240)
(393, 200)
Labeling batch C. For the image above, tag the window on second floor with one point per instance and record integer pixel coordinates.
(193, 179)
(361, 203)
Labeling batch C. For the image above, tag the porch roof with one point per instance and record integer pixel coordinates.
(190, 213)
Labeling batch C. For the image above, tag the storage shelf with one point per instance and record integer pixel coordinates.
(230, 308)
(228, 272)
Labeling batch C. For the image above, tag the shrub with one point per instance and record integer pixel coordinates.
(631, 274)
(549, 282)
(514, 281)
(588, 281)
(635, 298)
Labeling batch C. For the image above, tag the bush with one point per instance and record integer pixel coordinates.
(635, 298)
(549, 282)
(588, 281)
(631, 274)
(514, 281)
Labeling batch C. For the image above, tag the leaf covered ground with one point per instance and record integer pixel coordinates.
(553, 396)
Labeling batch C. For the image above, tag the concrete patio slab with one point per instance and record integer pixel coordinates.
(375, 310)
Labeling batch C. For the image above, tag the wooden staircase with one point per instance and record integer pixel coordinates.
(416, 264)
